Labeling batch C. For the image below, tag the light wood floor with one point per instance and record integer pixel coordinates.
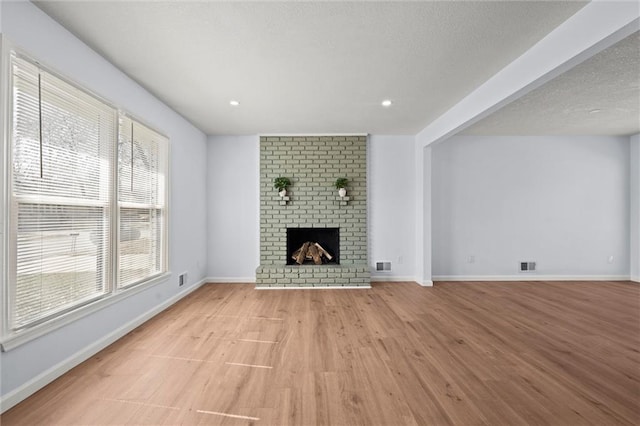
(459, 353)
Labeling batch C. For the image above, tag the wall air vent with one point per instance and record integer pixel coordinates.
(383, 266)
(527, 266)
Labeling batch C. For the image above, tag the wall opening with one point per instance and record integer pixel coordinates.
(327, 238)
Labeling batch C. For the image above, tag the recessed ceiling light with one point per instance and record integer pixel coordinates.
(234, 103)
(386, 103)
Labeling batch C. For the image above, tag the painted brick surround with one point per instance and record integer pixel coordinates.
(313, 164)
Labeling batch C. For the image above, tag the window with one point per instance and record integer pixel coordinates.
(87, 189)
(141, 201)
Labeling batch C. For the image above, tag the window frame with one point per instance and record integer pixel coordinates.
(10, 338)
(122, 115)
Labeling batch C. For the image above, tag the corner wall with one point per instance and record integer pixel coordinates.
(635, 208)
(562, 202)
(34, 364)
(391, 209)
(233, 198)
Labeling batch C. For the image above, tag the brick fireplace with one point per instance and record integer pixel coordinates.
(313, 163)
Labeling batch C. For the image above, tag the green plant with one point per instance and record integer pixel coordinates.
(341, 183)
(281, 183)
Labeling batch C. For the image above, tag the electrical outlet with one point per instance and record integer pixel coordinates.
(400, 260)
(182, 279)
(471, 259)
(611, 259)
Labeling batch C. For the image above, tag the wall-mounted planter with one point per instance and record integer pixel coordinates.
(281, 183)
(341, 186)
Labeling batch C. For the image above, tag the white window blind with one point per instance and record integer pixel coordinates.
(87, 194)
(62, 154)
(142, 173)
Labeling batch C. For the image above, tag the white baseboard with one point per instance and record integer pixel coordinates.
(230, 280)
(390, 278)
(530, 277)
(635, 279)
(423, 283)
(346, 287)
(21, 393)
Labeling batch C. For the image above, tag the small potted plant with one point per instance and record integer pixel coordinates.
(281, 183)
(341, 186)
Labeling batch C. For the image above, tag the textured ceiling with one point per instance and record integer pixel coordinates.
(600, 96)
(310, 67)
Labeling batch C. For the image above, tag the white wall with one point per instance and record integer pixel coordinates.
(27, 366)
(427, 216)
(391, 205)
(422, 159)
(234, 209)
(635, 208)
(560, 201)
(233, 231)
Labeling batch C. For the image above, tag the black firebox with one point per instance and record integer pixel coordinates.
(327, 238)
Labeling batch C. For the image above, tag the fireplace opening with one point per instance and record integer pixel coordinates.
(325, 242)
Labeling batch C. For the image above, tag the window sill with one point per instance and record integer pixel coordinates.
(13, 341)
